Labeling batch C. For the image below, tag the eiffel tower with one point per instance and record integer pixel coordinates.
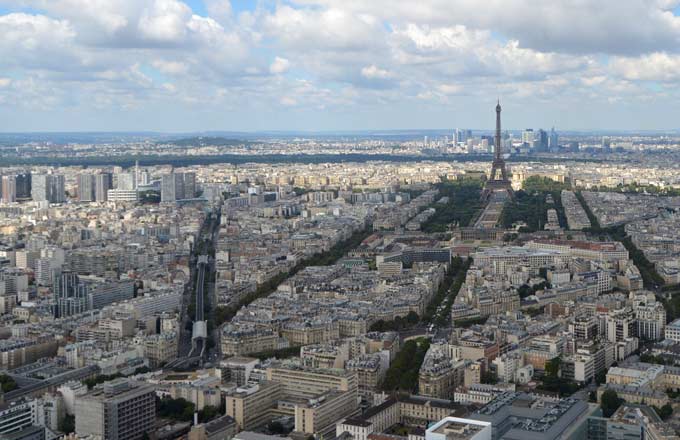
(498, 180)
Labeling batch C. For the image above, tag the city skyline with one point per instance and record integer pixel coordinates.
(321, 65)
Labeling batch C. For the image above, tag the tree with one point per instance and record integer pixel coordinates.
(276, 427)
(175, 409)
(665, 411)
(208, 413)
(7, 383)
(67, 425)
(610, 402)
(552, 367)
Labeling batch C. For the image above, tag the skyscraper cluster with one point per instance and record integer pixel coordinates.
(48, 188)
(178, 186)
(94, 187)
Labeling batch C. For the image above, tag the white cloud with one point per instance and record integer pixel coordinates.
(36, 41)
(355, 54)
(449, 89)
(288, 101)
(279, 66)
(170, 67)
(330, 29)
(165, 21)
(658, 66)
(374, 72)
(587, 26)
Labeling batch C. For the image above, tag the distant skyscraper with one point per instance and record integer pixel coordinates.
(528, 137)
(459, 136)
(553, 141)
(103, 183)
(172, 187)
(126, 181)
(189, 182)
(541, 143)
(178, 186)
(70, 295)
(606, 143)
(40, 187)
(86, 188)
(23, 182)
(57, 189)
(144, 178)
(48, 188)
(9, 189)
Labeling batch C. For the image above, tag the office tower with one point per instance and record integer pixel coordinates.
(606, 143)
(119, 410)
(169, 188)
(40, 188)
(553, 141)
(9, 189)
(48, 188)
(541, 143)
(57, 189)
(178, 186)
(103, 183)
(460, 136)
(144, 178)
(23, 183)
(126, 181)
(70, 295)
(86, 188)
(528, 137)
(189, 180)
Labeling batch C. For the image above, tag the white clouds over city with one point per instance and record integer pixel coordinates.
(180, 63)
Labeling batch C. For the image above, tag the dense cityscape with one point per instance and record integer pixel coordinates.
(519, 296)
(339, 220)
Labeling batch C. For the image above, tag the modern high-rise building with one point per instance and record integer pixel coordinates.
(39, 190)
(126, 181)
(553, 140)
(23, 182)
(86, 188)
(541, 143)
(178, 186)
(9, 189)
(48, 188)
(57, 189)
(528, 137)
(103, 183)
(70, 295)
(189, 182)
(144, 177)
(171, 187)
(119, 410)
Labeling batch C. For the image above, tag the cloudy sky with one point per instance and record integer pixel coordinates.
(181, 65)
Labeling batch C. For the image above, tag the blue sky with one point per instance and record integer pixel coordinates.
(174, 65)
